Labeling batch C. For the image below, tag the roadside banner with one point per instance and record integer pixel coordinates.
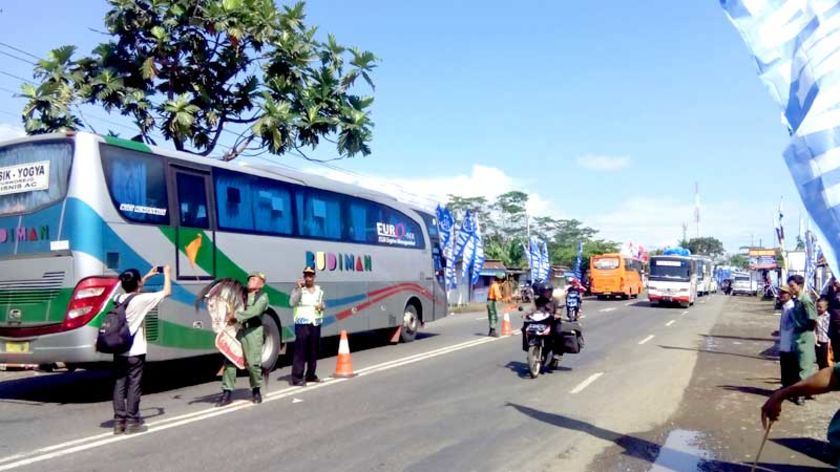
(545, 262)
(446, 228)
(796, 47)
(479, 256)
(534, 259)
(578, 261)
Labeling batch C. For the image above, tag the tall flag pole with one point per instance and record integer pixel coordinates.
(697, 207)
(796, 47)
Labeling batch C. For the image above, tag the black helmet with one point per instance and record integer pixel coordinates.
(548, 288)
(538, 287)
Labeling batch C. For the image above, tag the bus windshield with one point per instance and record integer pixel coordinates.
(33, 175)
(670, 269)
(606, 263)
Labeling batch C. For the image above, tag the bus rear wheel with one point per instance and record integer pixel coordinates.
(411, 323)
(271, 343)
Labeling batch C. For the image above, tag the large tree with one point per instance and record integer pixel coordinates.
(706, 246)
(193, 69)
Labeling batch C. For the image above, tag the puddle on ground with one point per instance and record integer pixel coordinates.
(681, 452)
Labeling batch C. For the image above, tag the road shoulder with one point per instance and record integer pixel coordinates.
(718, 417)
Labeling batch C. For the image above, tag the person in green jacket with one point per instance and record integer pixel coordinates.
(804, 323)
(250, 334)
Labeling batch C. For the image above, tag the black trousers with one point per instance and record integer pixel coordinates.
(822, 354)
(128, 373)
(789, 362)
(307, 345)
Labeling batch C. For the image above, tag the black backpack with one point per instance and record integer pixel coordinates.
(114, 336)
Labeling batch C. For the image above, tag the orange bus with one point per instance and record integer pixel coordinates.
(615, 275)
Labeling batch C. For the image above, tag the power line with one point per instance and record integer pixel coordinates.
(16, 77)
(17, 57)
(13, 48)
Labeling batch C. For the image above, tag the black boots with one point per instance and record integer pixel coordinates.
(256, 396)
(119, 426)
(224, 399)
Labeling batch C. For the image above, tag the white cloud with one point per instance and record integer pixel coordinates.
(603, 163)
(8, 132)
(482, 181)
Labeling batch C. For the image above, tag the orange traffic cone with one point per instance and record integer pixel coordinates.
(344, 365)
(506, 328)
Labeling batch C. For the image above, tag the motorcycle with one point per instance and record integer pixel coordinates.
(573, 307)
(539, 339)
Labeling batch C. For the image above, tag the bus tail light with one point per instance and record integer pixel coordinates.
(89, 296)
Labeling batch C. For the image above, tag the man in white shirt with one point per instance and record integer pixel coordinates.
(307, 299)
(128, 366)
(788, 359)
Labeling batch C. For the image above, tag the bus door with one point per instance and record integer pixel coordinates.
(435, 282)
(195, 246)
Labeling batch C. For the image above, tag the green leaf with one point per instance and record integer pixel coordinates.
(148, 68)
(159, 33)
(231, 5)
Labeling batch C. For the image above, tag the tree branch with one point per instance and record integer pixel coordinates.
(220, 127)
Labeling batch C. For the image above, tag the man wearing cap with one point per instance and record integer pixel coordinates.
(307, 299)
(494, 296)
(250, 334)
(788, 360)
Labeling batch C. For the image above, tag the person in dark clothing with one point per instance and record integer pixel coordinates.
(833, 296)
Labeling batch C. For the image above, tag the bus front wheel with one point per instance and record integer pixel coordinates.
(271, 342)
(411, 323)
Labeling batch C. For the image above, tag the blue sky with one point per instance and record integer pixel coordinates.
(607, 111)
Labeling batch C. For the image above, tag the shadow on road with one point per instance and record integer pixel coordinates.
(93, 386)
(648, 451)
(521, 369)
(764, 392)
(738, 338)
(155, 412)
(723, 353)
(813, 448)
(96, 385)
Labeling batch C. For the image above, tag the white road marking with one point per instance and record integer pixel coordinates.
(296, 400)
(629, 303)
(684, 313)
(95, 441)
(604, 310)
(670, 322)
(646, 339)
(586, 383)
(483, 318)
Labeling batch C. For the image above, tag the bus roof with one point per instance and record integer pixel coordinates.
(276, 172)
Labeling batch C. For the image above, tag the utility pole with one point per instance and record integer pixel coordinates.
(697, 207)
(685, 232)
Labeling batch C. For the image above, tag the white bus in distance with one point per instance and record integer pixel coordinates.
(673, 279)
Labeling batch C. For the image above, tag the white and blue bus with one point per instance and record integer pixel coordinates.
(76, 209)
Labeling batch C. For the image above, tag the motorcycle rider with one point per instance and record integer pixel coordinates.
(544, 301)
(574, 292)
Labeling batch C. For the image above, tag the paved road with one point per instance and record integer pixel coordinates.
(453, 400)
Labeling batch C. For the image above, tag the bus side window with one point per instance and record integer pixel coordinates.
(192, 201)
(319, 214)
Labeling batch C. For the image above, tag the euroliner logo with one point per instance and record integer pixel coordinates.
(331, 262)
